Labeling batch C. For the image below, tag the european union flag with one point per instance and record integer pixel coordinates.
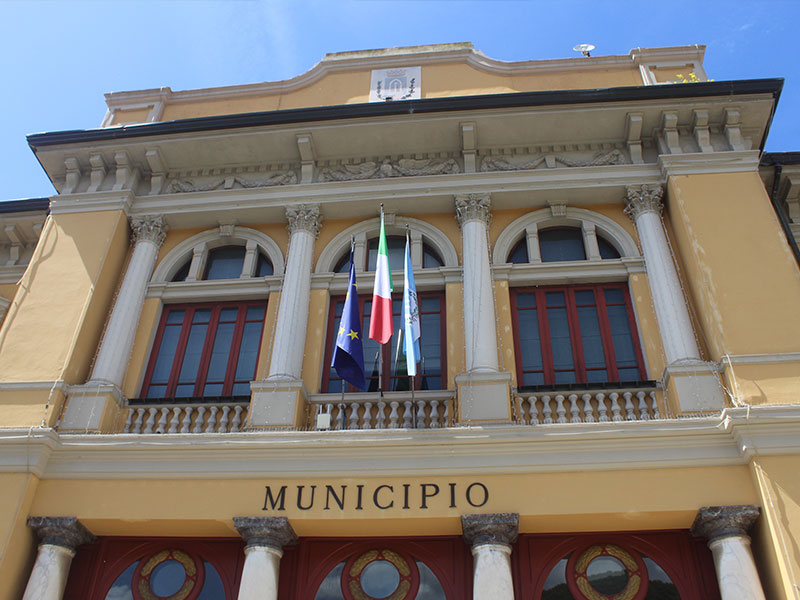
(348, 355)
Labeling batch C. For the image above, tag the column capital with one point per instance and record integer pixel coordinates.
(275, 532)
(715, 522)
(149, 227)
(473, 207)
(643, 199)
(66, 532)
(304, 217)
(497, 528)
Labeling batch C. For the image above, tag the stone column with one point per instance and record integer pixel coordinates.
(58, 538)
(92, 406)
(117, 343)
(480, 330)
(644, 207)
(726, 529)
(265, 537)
(289, 339)
(491, 537)
(692, 384)
(279, 400)
(483, 390)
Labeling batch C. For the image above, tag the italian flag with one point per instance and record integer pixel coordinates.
(380, 320)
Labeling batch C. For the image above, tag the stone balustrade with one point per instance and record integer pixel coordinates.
(590, 406)
(216, 417)
(394, 410)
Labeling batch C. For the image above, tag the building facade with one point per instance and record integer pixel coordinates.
(606, 402)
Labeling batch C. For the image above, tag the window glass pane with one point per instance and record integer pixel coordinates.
(175, 316)
(563, 363)
(219, 355)
(213, 588)
(555, 586)
(241, 389)
(228, 314)
(396, 245)
(248, 352)
(191, 360)
(343, 264)
(331, 586)
(526, 300)
(593, 354)
(181, 274)
(157, 391)
(263, 266)
(519, 253)
(661, 586)
(606, 249)
(615, 296)
(430, 258)
(255, 313)
(430, 347)
(530, 342)
(372, 351)
(121, 588)
(166, 354)
(624, 350)
(561, 244)
(225, 263)
(202, 315)
(213, 389)
(429, 586)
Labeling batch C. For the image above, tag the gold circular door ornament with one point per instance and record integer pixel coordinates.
(607, 572)
(380, 575)
(168, 575)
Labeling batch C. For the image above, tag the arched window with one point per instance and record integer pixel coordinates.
(227, 262)
(397, 247)
(560, 244)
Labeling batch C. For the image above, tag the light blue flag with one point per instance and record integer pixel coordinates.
(410, 315)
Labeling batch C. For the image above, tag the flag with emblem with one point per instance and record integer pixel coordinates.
(380, 320)
(410, 315)
(348, 355)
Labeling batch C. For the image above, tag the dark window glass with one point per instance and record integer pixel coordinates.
(430, 258)
(389, 360)
(263, 266)
(396, 245)
(555, 587)
(560, 244)
(225, 263)
(575, 334)
(661, 586)
(519, 253)
(205, 350)
(183, 272)
(606, 249)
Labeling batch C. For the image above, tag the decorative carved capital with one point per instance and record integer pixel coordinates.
(714, 522)
(304, 217)
(275, 532)
(498, 528)
(473, 207)
(643, 199)
(151, 228)
(66, 532)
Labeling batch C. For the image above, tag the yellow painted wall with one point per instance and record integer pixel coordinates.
(66, 292)
(444, 80)
(454, 324)
(620, 501)
(776, 537)
(316, 340)
(17, 541)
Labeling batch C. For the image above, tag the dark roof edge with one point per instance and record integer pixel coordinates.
(26, 205)
(780, 158)
(428, 105)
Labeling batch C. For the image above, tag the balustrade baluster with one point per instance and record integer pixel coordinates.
(151, 420)
(129, 420)
(644, 415)
(615, 409)
(574, 409)
(534, 412)
(601, 407)
(419, 420)
(198, 422)
(212, 420)
(367, 416)
(434, 419)
(656, 414)
(588, 413)
(353, 416)
(223, 422)
(342, 416)
(446, 416)
(560, 409)
(187, 419)
(379, 418)
(629, 414)
(237, 418)
(175, 420)
(407, 414)
(547, 410)
(393, 416)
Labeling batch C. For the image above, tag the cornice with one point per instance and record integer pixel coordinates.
(698, 163)
(733, 438)
(569, 272)
(91, 202)
(223, 289)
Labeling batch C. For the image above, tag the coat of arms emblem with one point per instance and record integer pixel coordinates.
(395, 84)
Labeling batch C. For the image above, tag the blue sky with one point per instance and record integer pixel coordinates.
(59, 57)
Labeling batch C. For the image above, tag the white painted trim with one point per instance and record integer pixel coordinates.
(729, 439)
(612, 231)
(58, 384)
(181, 253)
(583, 271)
(756, 359)
(698, 163)
(339, 244)
(91, 202)
(254, 288)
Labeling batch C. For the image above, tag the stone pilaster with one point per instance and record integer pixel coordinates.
(490, 537)
(691, 383)
(58, 539)
(265, 538)
(726, 528)
(93, 405)
(279, 400)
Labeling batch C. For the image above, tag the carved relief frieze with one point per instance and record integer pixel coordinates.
(181, 184)
(552, 160)
(403, 167)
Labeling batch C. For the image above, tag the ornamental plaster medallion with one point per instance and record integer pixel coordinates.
(611, 563)
(151, 228)
(149, 585)
(384, 572)
(643, 199)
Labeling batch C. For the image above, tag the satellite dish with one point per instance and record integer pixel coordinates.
(584, 49)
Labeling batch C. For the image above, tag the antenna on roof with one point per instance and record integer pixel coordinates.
(584, 49)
